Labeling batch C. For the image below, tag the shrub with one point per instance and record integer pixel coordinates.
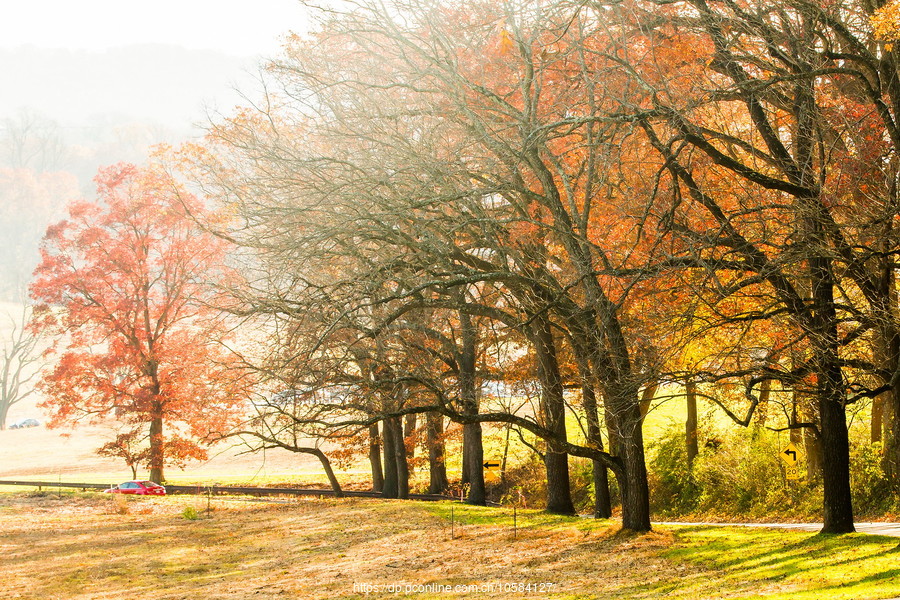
(739, 477)
(190, 513)
(871, 487)
(121, 504)
(673, 489)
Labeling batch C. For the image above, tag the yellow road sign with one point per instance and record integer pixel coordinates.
(789, 454)
(792, 472)
(491, 470)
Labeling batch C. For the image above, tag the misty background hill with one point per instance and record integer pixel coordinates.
(65, 113)
(150, 82)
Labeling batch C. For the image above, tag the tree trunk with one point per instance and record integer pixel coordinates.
(409, 434)
(400, 455)
(375, 458)
(635, 492)
(762, 407)
(887, 353)
(473, 449)
(647, 395)
(795, 434)
(475, 464)
(885, 423)
(813, 451)
(690, 426)
(837, 501)
(602, 499)
(326, 464)
(553, 415)
(612, 432)
(157, 450)
(437, 466)
(838, 505)
(889, 438)
(390, 488)
(464, 477)
(876, 425)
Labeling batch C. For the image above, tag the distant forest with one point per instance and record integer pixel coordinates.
(62, 117)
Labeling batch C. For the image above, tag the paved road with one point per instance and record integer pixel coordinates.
(891, 529)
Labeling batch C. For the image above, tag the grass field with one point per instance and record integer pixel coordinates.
(70, 455)
(92, 546)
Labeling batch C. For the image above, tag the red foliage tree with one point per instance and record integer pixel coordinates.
(123, 286)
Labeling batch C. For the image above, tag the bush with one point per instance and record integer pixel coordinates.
(872, 489)
(673, 490)
(121, 504)
(190, 513)
(739, 477)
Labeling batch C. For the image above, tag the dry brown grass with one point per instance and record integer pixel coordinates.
(71, 455)
(78, 548)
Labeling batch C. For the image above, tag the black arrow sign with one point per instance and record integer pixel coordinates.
(791, 453)
(491, 465)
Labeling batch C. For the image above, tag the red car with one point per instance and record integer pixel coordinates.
(139, 488)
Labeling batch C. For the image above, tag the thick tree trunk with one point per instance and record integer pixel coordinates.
(886, 407)
(837, 502)
(375, 458)
(624, 404)
(157, 450)
(635, 492)
(885, 423)
(475, 464)
(473, 448)
(390, 488)
(876, 425)
(553, 415)
(464, 477)
(437, 466)
(690, 427)
(838, 507)
(400, 456)
(813, 451)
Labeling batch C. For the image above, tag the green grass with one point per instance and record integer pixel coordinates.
(754, 563)
(795, 565)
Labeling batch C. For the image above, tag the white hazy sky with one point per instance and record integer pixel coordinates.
(94, 76)
(239, 27)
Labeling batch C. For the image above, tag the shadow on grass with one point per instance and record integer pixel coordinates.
(823, 562)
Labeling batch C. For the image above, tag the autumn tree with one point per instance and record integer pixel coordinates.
(123, 289)
(776, 125)
(502, 192)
